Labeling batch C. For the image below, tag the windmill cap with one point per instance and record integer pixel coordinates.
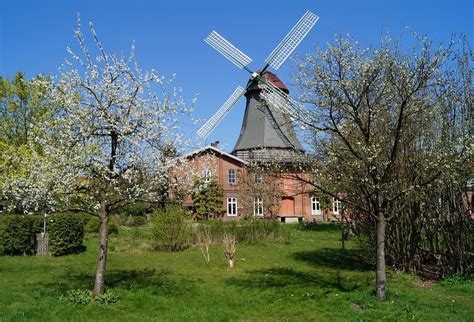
(272, 78)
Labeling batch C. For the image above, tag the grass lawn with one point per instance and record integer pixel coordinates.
(308, 278)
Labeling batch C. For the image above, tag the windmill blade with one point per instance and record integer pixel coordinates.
(204, 131)
(220, 44)
(282, 103)
(292, 40)
(279, 100)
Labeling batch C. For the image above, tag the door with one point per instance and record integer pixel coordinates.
(287, 206)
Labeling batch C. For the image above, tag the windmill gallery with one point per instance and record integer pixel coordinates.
(259, 176)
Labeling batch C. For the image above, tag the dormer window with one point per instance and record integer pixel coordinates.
(206, 174)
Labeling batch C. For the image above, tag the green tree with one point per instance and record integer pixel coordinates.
(207, 196)
(23, 105)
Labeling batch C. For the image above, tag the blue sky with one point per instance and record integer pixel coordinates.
(169, 36)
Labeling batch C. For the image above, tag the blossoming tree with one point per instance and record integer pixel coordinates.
(107, 145)
(376, 115)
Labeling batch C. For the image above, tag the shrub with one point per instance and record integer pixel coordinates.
(113, 227)
(136, 209)
(66, 234)
(251, 231)
(134, 221)
(457, 279)
(260, 230)
(171, 228)
(93, 225)
(18, 234)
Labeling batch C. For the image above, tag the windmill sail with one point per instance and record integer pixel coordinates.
(204, 131)
(220, 44)
(292, 40)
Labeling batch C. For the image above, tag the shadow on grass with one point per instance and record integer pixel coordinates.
(159, 282)
(279, 277)
(334, 258)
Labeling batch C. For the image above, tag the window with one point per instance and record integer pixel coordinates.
(336, 205)
(232, 177)
(206, 174)
(258, 177)
(315, 206)
(258, 206)
(232, 206)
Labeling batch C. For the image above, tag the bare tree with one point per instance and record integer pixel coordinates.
(229, 243)
(261, 190)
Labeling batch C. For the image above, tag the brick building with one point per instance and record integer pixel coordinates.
(246, 190)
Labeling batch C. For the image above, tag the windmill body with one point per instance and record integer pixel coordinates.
(266, 134)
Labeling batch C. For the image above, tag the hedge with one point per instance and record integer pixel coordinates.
(66, 234)
(18, 234)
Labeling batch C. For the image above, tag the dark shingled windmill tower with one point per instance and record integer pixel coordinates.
(267, 132)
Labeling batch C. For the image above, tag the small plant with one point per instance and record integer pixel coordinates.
(229, 243)
(204, 241)
(76, 297)
(84, 297)
(109, 297)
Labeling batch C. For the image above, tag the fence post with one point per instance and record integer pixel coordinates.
(43, 245)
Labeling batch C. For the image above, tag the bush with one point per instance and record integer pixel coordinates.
(93, 225)
(171, 228)
(136, 209)
(66, 233)
(135, 221)
(18, 234)
(457, 279)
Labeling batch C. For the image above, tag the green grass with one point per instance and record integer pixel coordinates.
(309, 278)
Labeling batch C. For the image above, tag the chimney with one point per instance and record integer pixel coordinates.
(214, 145)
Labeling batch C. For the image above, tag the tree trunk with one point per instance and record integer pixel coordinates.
(381, 279)
(99, 285)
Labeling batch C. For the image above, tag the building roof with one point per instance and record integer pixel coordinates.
(270, 77)
(203, 149)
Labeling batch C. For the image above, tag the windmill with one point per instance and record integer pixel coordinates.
(266, 129)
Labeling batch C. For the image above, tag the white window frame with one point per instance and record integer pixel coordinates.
(206, 174)
(232, 206)
(258, 177)
(336, 206)
(315, 206)
(232, 176)
(258, 207)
